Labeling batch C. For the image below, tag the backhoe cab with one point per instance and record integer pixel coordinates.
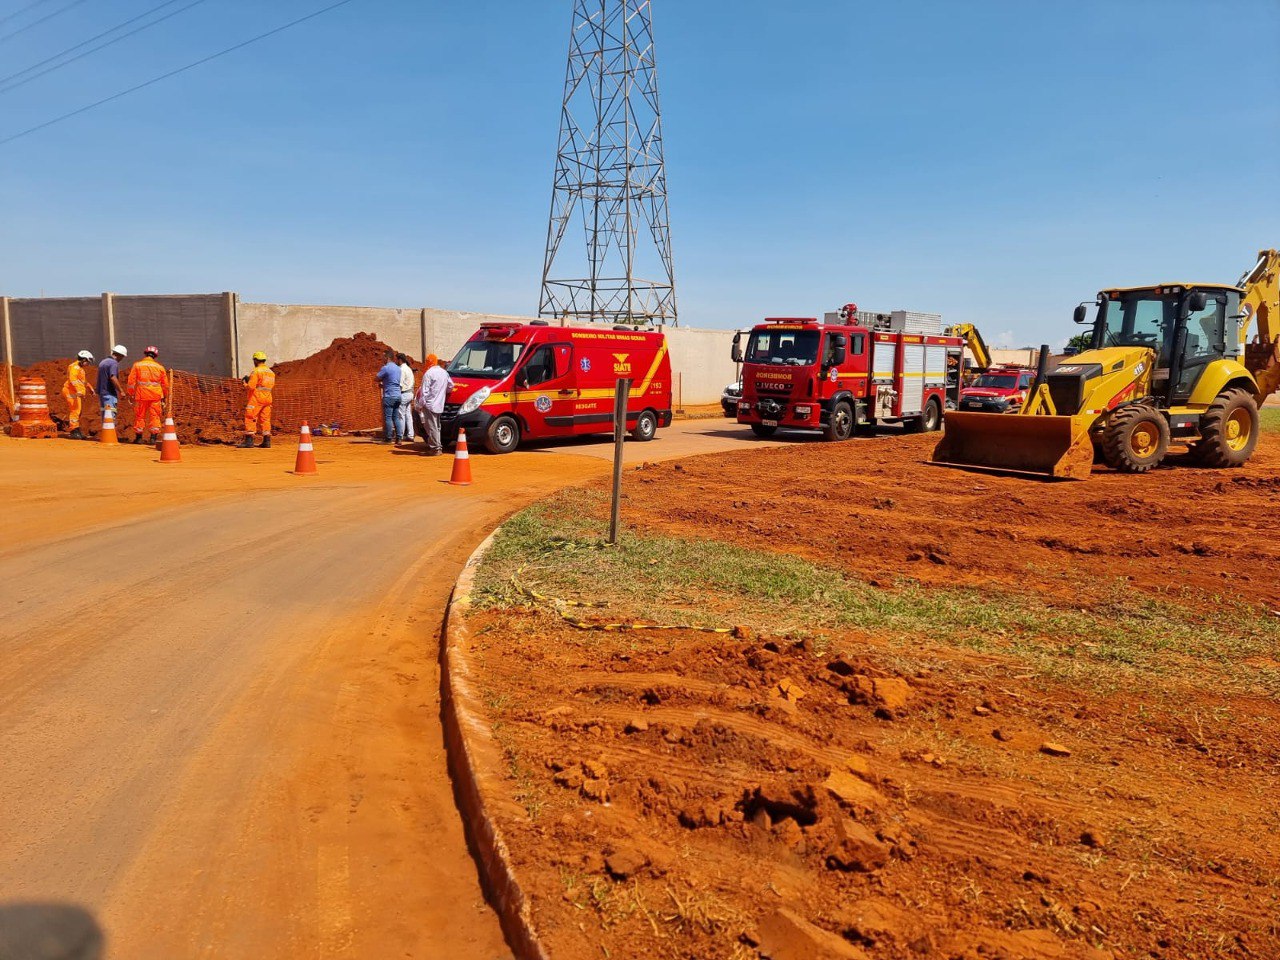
(1165, 366)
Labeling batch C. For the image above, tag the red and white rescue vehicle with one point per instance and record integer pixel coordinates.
(533, 381)
(1001, 389)
(855, 368)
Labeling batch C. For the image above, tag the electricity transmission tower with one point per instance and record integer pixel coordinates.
(610, 178)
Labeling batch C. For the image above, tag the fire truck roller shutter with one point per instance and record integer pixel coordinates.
(935, 366)
(882, 360)
(912, 378)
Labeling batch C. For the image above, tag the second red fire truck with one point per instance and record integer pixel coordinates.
(853, 369)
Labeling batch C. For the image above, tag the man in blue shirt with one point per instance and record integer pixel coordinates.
(389, 379)
(109, 388)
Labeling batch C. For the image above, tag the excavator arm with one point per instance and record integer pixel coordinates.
(1260, 307)
(973, 340)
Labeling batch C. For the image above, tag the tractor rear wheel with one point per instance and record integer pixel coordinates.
(1136, 439)
(1228, 430)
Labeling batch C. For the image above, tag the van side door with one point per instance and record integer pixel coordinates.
(546, 391)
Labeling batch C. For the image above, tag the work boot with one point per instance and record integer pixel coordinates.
(266, 442)
(75, 434)
(155, 439)
(246, 442)
(137, 438)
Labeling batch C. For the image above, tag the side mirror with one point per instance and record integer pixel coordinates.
(1082, 313)
(522, 379)
(1197, 301)
(736, 352)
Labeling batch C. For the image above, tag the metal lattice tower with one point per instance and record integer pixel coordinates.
(610, 177)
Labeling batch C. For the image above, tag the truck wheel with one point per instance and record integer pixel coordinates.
(760, 430)
(931, 419)
(1135, 439)
(646, 426)
(503, 435)
(840, 426)
(1228, 430)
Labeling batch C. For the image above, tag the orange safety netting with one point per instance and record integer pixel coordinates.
(211, 409)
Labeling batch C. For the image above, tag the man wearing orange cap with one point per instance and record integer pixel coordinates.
(148, 388)
(430, 401)
(257, 410)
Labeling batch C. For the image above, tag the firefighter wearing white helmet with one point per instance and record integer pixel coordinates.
(74, 391)
(257, 408)
(109, 386)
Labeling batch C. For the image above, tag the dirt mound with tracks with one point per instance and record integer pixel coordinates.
(334, 385)
(859, 794)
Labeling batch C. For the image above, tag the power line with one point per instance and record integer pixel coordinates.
(173, 73)
(6, 86)
(46, 17)
(18, 13)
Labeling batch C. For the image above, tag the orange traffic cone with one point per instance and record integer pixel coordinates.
(108, 432)
(170, 449)
(305, 465)
(461, 462)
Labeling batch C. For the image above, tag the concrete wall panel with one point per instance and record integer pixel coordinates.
(192, 332)
(700, 360)
(53, 328)
(294, 331)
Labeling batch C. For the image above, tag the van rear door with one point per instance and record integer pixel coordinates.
(545, 391)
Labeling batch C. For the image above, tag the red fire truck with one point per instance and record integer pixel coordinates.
(855, 368)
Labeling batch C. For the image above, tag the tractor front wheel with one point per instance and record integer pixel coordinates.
(1136, 439)
(1228, 430)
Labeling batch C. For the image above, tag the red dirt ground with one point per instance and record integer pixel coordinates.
(693, 796)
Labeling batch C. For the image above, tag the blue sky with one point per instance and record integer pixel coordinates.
(993, 161)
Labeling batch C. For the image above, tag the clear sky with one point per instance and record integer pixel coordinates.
(996, 161)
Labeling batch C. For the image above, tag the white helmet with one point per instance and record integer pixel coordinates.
(85, 355)
(118, 348)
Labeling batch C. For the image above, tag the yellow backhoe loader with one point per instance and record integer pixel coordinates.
(1168, 363)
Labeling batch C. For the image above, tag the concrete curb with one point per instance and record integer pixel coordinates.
(472, 751)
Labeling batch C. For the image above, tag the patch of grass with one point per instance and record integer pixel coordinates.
(1270, 419)
(556, 548)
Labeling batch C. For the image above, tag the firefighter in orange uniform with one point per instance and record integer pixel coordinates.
(148, 388)
(75, 390)
(257, 410)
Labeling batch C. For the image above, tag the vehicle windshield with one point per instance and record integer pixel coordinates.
(997, 381)
(793, 348)
(1138, 318)
(486, 359)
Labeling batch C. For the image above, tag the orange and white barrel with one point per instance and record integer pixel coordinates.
(34, 422)
(33, 400)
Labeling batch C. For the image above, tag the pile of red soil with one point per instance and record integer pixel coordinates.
(347, 358)
(334, 386)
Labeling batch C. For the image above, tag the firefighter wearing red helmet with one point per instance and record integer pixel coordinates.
(148, 388)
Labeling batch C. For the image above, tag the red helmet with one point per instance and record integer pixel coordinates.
(152, 351)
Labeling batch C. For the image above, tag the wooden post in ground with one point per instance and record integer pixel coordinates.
(233, 333)
(621, 393)
(8, 355)
(108, 324)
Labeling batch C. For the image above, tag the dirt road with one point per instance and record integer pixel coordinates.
(219, 692)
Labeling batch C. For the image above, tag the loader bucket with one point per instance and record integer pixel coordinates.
(1055, 448)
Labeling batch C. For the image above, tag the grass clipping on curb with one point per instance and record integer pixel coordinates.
(1118, 636)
